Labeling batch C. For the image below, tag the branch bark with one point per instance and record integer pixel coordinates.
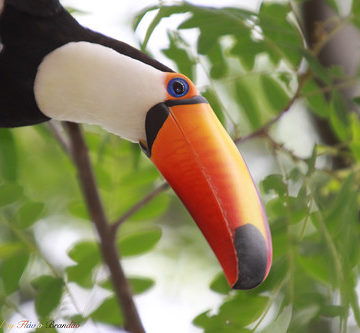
(90, 192)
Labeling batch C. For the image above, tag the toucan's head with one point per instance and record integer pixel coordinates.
(177, 129)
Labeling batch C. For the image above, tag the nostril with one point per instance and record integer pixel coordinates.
(252, 256)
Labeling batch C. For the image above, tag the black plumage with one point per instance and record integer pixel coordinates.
(29, 30)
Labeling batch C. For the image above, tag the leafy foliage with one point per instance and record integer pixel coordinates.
(108, 312)
(139, 242)
(49, 292)
(257, 67)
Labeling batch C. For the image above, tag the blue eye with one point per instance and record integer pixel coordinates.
(178, 87)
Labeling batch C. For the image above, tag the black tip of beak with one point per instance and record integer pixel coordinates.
(252, 257)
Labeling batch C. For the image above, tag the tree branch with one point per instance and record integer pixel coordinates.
(138, 205)
(107, 237)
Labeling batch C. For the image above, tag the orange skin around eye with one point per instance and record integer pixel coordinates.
(192, 89)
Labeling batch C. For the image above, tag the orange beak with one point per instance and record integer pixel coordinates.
(192, 150)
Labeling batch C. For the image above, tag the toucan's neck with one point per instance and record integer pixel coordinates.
(93, 84)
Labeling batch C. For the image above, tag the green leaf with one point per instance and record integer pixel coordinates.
(204, 17)
(274, 93)
(278, 272)
(78, 319)
(12, 269)
(356, 100)
(274, 183)
(10, 249)
(339, 116)
(297, 207)
(214, 324)
(246, 99)
(81, 274)
(318, 70)
(103, 178)
(8, 155)
(78, 209)
(219, 284)
(339, 205)
(108, 312)
(355, 10)
(202, 319)
(164, 11)
(311, 161)
(250, 307)
(155, 208)
(281, 323)
(10, 193)
(138, 284)
(49, 292)
(219, 67)
(355, 130)
(281, 36)
(138, 18)
(29, 213)
(280, 242)
(334, 311)
(87, 256)
(275, 208)
(318, 268)
(84, 251)
(316, 99)
(139, 242)
(176, 52)
(140, 177)
(296, 174)
(209, 39)
(215, 103)
(247, 49)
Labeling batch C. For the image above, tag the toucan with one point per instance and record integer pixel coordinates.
(51, 67)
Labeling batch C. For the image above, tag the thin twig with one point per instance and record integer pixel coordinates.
(107, 237)
(138, 206)
(343, 84)
(263, 129)
(281, 147)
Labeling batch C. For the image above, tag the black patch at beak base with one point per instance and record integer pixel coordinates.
(154, 120)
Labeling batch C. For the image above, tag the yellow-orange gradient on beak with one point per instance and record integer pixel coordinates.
(201, 163)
